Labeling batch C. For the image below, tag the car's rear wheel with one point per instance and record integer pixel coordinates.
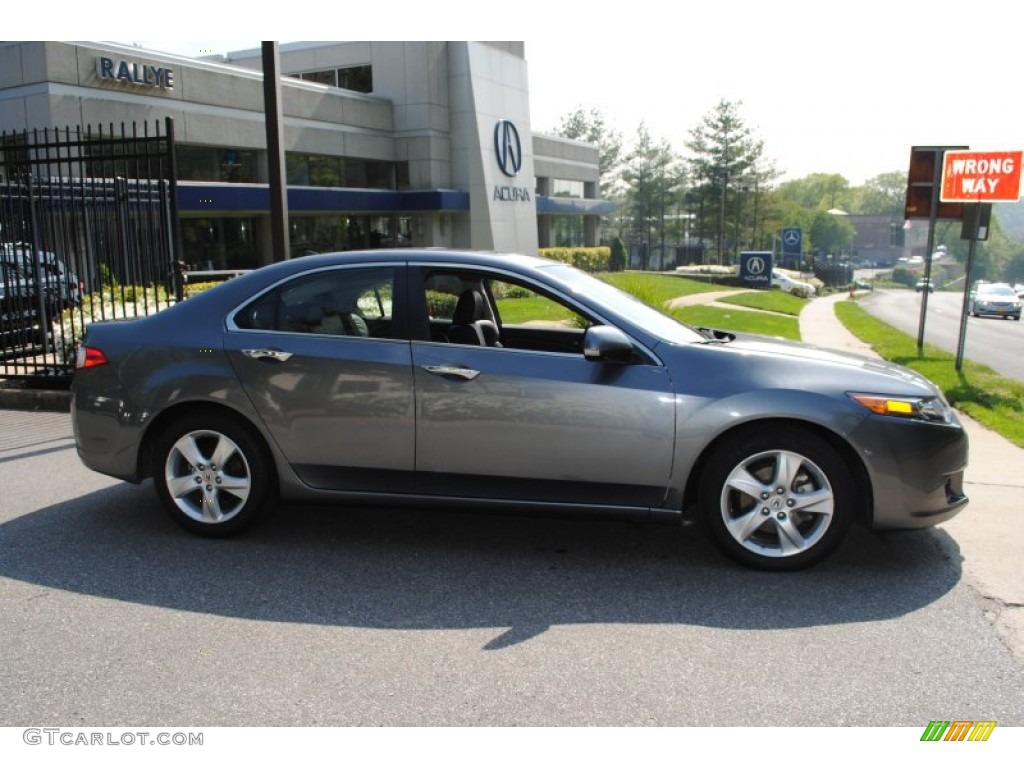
(781, 499)
(213, 475)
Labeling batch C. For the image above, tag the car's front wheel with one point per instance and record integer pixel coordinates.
(213, 475)
(778, 499)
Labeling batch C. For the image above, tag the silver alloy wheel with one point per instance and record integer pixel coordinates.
(777, 503)
(207, 476)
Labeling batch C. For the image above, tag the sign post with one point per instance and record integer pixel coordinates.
(922, 202)
(978, 179)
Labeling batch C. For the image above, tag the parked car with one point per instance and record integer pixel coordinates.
(20, 320)
(61, 287)
(923, 283)
(997, 299)
(33, 293)
(1018, 288)
(423, 377)
(791, 285)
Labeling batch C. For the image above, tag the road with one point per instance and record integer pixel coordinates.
(114, 616)
(993, 341)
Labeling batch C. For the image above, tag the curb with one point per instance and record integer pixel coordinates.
(19, 399)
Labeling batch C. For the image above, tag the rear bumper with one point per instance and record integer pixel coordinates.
(106, 440)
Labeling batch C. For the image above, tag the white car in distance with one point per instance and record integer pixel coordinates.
(791, 285)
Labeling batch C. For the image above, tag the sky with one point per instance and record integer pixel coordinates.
(843, 88)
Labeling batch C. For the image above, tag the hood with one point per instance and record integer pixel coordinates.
(860, 371)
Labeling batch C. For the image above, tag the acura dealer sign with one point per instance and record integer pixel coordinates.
(756, 269)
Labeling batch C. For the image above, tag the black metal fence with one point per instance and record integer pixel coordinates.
(88, 231)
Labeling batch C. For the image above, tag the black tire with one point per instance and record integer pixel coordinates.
(224, 485)
(748, 509)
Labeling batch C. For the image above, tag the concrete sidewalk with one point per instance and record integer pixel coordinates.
(990, 531)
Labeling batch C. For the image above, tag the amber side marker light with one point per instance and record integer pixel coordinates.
(885, 406)
(932, 409)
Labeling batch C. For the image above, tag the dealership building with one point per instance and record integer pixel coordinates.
(387, 144)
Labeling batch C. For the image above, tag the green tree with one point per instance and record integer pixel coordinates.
(723, 169)
(653, 180)
(590, 125)
(829, 232)
(828, 191)
(882, 195)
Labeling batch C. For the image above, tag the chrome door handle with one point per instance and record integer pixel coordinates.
(450, 370)
(271, 354)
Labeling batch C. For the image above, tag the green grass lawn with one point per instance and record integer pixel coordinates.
(739, 320)
(769, 301)
(521, 310)
(975, 389)
(656, 289)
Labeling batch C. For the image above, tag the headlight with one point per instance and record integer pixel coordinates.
(932, 409)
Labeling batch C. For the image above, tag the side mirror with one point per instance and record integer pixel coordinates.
(605, 344)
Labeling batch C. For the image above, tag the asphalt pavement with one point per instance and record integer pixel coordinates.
(988, 532)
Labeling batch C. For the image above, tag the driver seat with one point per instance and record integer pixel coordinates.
(469, 325)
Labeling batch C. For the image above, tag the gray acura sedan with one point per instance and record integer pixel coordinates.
(506, 382)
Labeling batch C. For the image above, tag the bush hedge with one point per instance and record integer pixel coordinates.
(595, 259)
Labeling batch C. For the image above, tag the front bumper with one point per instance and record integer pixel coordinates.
(916, 470)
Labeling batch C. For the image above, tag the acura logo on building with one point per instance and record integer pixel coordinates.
(507, 148)
(755, 265)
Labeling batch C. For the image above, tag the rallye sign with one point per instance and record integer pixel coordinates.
(124, 71)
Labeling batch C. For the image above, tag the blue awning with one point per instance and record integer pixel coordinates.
(214, 198)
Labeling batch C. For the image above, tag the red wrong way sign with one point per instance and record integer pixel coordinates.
(980, 177)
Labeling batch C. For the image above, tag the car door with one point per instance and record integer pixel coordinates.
(324, 360)
(524, 421)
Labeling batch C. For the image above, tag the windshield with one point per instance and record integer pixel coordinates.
(997, 290)
(643, 315)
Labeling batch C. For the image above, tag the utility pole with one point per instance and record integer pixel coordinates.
(275, 152)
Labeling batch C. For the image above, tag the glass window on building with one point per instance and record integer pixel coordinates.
(566, 188)
(368, 174)
(323, 76)
(220, 243)
(215, 164)
(330, 171)
(314, 170)
(568, 231)
(402, 175)
(356, 78)
(318, 234)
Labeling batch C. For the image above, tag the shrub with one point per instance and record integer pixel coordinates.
(595, 259)
(904, 276)
(441, 304)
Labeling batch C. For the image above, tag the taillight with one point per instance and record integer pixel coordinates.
(89, 357)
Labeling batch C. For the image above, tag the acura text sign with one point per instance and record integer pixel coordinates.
(980, 177)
